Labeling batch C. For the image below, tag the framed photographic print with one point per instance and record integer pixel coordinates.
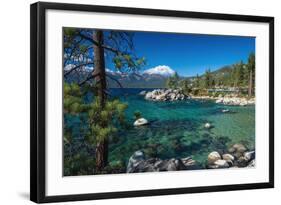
(129, 102)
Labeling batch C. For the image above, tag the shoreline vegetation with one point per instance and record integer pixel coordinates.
(231, 85)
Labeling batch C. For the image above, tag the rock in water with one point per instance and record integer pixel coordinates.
(225, 110)
(249, 155)
(252, 163)
(142, 92)
(212, 157)
(221, 163)
(207, 125)
(138, 163)
(189, 163)
(228, 157)
(237, 150)
(166, 95)
(242, 162)
(140, 122)
(134, 161)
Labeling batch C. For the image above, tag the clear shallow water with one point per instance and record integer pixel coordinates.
(177, 128)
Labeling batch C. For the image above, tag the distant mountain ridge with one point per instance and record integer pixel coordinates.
(136, 80)
(152, 78)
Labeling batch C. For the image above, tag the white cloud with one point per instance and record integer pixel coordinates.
(160, 70)
(89, 68)
(108, 70)
(69, 67)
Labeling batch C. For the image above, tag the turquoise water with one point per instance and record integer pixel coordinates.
(177, 130)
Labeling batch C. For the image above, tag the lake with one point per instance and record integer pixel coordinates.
(177, 130)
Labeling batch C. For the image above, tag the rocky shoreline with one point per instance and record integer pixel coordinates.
(227, 100)
(138, 163)
(237, 156)
(165, 95)
(178, 95)
(235, 101)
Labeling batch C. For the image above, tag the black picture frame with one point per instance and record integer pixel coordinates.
(38, 100)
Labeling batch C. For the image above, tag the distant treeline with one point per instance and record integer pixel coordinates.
(239, 76)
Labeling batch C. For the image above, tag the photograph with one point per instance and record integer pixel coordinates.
(143, 101)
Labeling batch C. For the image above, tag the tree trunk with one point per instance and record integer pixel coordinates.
(100, 78)
(250, 88)
(101, 155)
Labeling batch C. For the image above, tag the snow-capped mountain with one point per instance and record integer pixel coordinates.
(153, 78)
(160, 70)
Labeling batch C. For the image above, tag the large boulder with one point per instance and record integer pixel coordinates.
(165, 95)
(138, 163)
(249, 155)
(228, 157)
(171, 165)
(220, 100)
(237, 150)
(221, 163)
(148, 96)
(212, 157)
(189, 163)
(140, 122)
(242, 162)
(135, 160)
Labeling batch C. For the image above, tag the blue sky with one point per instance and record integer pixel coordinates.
(189, 54)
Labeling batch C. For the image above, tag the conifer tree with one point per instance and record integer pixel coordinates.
(251, 70)
(86, 48)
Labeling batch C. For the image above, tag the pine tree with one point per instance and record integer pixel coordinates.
(251, 70)
(172, 82)
(197, 81)
(208, 79)
(79, 44)
(100, 121)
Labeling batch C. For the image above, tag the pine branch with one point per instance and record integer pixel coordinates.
(76, 67)
(91, 76)
(114, 79)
